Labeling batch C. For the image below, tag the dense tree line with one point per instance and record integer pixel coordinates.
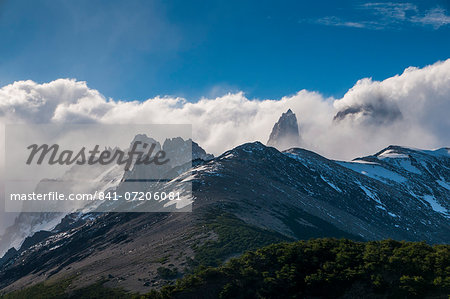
(326, 268)
(318, 268)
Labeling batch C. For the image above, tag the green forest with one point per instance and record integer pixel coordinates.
(318, 268)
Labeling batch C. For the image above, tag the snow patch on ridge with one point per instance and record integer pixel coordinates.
(443, 184)
(434, 204)
(391, 155)
(369, 193)
(406, 164)
(331, 184)
(374, 171)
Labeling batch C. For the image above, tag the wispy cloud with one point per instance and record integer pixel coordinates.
(390, 12)
(389, 15)
(436, 17)
(335, 21)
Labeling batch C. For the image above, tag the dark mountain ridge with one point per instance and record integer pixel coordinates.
(247, 197)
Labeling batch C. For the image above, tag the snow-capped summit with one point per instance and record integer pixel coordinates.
(285, 133)
(422, 174)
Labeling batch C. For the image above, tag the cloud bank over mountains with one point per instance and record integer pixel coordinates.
(410, 109)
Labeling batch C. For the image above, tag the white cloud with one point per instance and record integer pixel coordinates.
(421, 96)
(408, 109)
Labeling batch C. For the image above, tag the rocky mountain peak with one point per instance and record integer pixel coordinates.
(285, 133)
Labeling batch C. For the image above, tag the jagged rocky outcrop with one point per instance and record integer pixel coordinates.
(285, 133)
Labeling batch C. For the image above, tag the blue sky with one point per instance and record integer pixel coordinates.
(134, 50)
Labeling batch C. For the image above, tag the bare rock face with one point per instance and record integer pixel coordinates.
(285, 132)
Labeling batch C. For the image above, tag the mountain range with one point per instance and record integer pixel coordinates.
(250, 196)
